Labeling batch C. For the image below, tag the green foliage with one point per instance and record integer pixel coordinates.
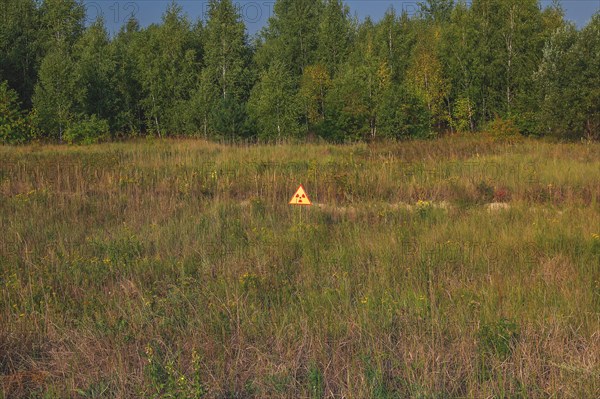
(314, 87)
(55, 92)
(464, 113)
(313, 70)
(437, 10)
(568, 81)
(359, 89)
(228, 117)
(496, 343)
(498, 339)
(273, 105)
(93, 75)
(503, 130)
(226, 51)
(63, 22)
(335, 35)
(128, 119)
(425, 77)
(403, 115)
(375, 379)
(168, 65)
(96, 390)
(87, 130)
(166, 379)
(15, 125)
(227, 74)
(315, 382)
(292, 35)
(20, 46)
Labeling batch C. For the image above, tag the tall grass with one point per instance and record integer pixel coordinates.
(453, 268)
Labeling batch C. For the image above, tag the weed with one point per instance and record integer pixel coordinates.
(485, 192)
(315, 381)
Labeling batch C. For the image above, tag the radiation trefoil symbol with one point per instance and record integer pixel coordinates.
(300, 198)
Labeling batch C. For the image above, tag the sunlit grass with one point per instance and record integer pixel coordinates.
(452, 268)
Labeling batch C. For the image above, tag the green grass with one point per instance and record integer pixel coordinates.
(177, 269)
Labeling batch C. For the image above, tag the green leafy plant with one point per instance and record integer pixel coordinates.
(501, 129)
(88, 130)
(167, 380)
(498, 338)
(315, 381)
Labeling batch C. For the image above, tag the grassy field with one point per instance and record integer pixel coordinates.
(461, 267)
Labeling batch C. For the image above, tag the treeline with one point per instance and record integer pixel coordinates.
(314, 71)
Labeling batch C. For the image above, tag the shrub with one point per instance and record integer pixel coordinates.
(503, 130)
(88, 130)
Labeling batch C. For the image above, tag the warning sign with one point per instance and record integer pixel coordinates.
(300, 198)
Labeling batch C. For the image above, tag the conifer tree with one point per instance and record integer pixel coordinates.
(292, 35)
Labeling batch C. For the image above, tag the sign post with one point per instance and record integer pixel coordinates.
(300, 198)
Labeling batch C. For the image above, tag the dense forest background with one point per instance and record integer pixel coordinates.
(313, 71)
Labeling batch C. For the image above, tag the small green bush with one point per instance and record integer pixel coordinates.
(88, 130)
(503, 130)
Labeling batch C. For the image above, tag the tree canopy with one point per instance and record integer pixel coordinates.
(313, 70)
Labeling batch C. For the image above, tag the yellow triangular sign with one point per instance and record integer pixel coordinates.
(300, 198)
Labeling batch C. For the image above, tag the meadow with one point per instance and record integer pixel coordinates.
(462, 267)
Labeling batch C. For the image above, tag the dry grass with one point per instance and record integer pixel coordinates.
(461, 267)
